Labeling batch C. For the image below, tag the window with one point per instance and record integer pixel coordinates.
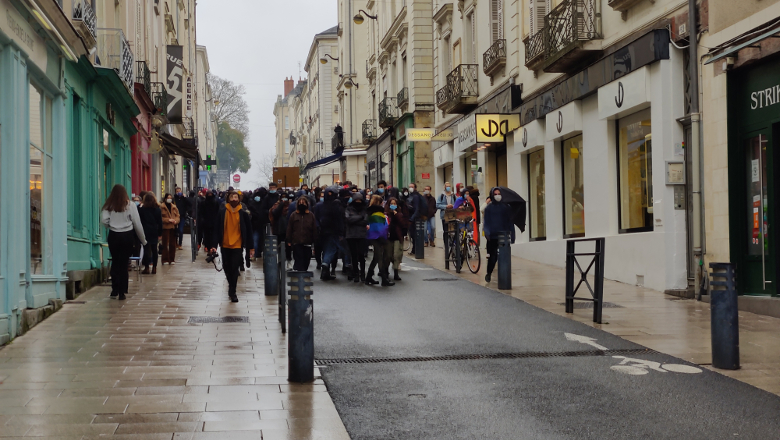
(287, 145)
(446, 59)
(537, 226)
(635, 180)
(286, 122)
(471, 38)
(40, 179)
(404, 73)
(472, 170)
(573, 188)
(539, 9)
(497, 19)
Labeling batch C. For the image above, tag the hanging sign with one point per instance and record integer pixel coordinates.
(174, 76)
(493, 127)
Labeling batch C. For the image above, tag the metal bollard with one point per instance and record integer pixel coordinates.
(270, 266)
(300, 341)
(724, 315)
(419, 240)
(282, 257)
(504, 261)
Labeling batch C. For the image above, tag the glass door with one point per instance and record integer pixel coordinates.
(758, 276)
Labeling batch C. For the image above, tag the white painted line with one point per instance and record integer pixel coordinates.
(638, 367)
(584, 340)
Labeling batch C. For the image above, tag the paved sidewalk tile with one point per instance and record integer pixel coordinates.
(137, 369)
(679, 327)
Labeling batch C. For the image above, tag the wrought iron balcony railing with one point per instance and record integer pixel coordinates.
(159, 97)
(462, 90)
(567, 27)
(388, 112)
(494, 58)
(369, 131)
(337, 142)
(144, 76)
(534, 49)
(85, 21)
(403, 97)
(114, 52)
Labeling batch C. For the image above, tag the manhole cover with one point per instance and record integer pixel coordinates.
(589, 305)
(442, 279)
(217, 319)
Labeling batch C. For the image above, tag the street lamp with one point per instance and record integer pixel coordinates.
(358, 19)
(324, 60)
(348, 83)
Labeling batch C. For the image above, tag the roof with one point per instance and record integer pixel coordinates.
(332, 31)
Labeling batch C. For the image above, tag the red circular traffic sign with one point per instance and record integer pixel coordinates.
(236, 178)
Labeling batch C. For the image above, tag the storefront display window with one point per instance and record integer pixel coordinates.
(537, 224)
(40, 180)
(472, 170)
(573, 188)
(384, 167)
(636, 173)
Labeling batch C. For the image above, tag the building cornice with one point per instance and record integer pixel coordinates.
(443, 20)
(391, 37)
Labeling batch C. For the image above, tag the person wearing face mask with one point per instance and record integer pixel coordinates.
(124, 228)
(302, 232)
(377, 238)
(381, 189)
(232, 233)
(498, 218)
(207, 217)
(278, 217)
(356, 229)
(445, 201)
(151, 219)
(418, 209)
(183, 205)
(170, 218)
(317, 211)
(267, 203)
(331, 221)
(430, 222)
(258, 228)
(397, 228)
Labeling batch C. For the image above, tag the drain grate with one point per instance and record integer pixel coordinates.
(466, 357)
(217, 319)
(589, 305)
(75, 302)
(442, 279)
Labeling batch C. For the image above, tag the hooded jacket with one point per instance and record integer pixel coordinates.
(255, 208)
(356, 216)
(331, 215)
(266, 204)
(498, 218)
(302, 228)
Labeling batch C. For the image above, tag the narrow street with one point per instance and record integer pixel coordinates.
(437, 357)
(140, 369)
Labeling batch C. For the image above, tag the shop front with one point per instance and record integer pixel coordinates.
(753, 142)
(404, 152)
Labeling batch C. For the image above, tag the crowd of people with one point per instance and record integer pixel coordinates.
(328, 224)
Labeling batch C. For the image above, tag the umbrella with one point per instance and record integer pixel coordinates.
(516, 203)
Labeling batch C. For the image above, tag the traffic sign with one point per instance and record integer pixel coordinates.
(236, 178)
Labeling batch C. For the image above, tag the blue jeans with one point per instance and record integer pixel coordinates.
(344, 248)
(256, 240)
(430, 227)
(181, 231)
(330, 247)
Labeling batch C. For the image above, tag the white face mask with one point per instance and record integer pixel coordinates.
(497, 197)
(427, 192)
(169, 200)
(411, 190)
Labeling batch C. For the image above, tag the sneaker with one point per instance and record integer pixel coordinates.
(289, 265)
(114, 295)
(122, 297)
(487, 277)
(234, 299)
(171, 263)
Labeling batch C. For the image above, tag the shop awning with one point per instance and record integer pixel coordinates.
(323, 161)
(732, 50)
(179, 147)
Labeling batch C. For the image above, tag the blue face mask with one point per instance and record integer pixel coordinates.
(272, 191)
(322, 199)
(448, 189)
(380, 190)
(350, 200)
(393, 207)
(257, 198)
(137, 203)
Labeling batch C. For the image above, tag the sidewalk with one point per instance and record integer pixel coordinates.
(137, 369)
(667, 324)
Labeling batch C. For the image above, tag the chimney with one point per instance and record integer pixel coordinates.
(289, 84)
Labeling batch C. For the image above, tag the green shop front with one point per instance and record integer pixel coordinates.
(754, 176)
(404, 151)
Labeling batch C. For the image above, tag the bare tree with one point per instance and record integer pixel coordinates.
(265, 167)
(229, 103)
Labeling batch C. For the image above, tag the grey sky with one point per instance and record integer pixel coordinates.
(258, 43)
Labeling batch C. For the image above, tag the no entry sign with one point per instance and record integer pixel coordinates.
(236, 178)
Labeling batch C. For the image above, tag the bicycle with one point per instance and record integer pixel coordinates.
(469, 249)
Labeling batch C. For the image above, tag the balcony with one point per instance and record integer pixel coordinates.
(566, 29)
(85, 22)
(369, 131)
(159, 97)
(494, 58)
(403, 98)
(534, 50)
(388, 112)
(461, 93)
(143, 76)
(337, 143)
(114, 52)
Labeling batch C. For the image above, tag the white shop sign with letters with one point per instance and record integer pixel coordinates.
(467, 134)
(17, 28)
(625, 95)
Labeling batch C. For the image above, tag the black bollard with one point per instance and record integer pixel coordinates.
(282, 289)
(270, 266)
(724, 315)
(300, 341)
(504, 261)
(419, 239)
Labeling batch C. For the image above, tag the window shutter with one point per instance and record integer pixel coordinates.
(539, 9)
(497, 19)
(474, 37)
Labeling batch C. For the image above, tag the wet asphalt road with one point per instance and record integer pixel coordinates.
(548, 396)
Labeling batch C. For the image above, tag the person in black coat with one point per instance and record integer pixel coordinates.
(331, 220)
(258, 225)
(233, 234)
(418, 209)
(355, 233)
(267, 203)
(207, 218)
(498, 218)
(151, 220)
(183, 205)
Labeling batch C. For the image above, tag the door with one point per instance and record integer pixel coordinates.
(758, 273)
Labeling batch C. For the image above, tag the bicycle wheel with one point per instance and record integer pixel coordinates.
(472, 256)
(407, 242)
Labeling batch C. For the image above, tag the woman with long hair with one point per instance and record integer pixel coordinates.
(121, 218)
(151, 219)
(377, 238)
(170, 221)
(398, 226)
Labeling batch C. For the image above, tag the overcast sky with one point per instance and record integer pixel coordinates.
(258, 43)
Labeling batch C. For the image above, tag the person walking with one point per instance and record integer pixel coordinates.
(316, 209)
(183, 205)
(498, 219)
(233, 234)
(207, 218)
(377, 238)
(418, 212)
(331, 220)
(445, 201)
(356, 229)
(302, 233)
(151, 219)
(430, 221)
(258, 224)
(124, 225)
(170, 218)
(278, 217)
(399, 224)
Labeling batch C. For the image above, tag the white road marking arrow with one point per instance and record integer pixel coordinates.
(584, 340)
